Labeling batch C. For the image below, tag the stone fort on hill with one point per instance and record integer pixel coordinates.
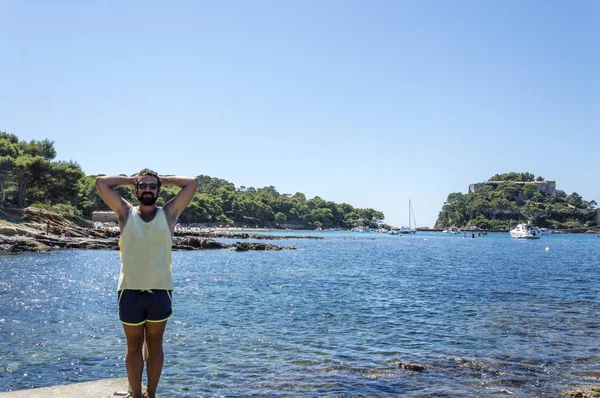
(547, 186)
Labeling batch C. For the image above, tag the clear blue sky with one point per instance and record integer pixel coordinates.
(371, 103)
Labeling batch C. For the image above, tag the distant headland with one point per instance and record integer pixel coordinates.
(508, 199)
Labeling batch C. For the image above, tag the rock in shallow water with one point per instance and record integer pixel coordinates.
(593, 392)
(245, 246)
(415, 367)
(196, 243)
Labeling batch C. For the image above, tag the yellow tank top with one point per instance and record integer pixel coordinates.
(146, 252)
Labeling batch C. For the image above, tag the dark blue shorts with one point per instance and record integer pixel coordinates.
(137, 307)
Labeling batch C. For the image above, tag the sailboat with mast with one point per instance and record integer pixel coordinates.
(411, 219)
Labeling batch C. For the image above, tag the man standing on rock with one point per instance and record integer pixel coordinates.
(145, 281)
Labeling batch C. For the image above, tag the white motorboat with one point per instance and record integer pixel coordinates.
(452, 230)
(525, 231)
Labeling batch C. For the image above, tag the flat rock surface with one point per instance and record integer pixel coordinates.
(105, 388)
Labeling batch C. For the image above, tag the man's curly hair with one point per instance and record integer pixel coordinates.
(147, 172)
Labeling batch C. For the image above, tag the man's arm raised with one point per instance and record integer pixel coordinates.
(106, 188)
(175, 206)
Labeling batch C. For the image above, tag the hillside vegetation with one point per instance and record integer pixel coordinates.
(29, 176)
(505, 201)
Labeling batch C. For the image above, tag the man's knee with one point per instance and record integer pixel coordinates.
(155, 343)
(135, 346)
(135, 341)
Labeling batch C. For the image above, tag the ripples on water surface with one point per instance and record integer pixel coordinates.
(485, 316)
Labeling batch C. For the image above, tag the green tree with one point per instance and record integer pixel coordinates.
(60, 184)
(324, 217)
(89, 200)
(280, 218)
(512, 176)
(7, 168)
(575, 200)
(29, 170)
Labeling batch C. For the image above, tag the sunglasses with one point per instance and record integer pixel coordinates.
(143, 185)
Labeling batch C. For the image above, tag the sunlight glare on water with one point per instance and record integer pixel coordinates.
(338, 316)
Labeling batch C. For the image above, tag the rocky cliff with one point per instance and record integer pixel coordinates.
(33, 229)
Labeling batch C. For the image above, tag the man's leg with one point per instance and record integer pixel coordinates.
(133, 358)
(156, 356)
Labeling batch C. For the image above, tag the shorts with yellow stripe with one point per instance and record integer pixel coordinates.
(137, 307)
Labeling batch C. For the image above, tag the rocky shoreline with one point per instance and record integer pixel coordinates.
(37, 230)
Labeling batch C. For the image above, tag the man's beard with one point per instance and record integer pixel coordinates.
(147, 199)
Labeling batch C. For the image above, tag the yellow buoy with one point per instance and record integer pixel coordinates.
(547, 249)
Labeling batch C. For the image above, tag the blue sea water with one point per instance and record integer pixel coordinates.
(490, 316)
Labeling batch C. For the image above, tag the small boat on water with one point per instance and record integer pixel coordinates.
(411, 217)
(452, 230)
(525, 231)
